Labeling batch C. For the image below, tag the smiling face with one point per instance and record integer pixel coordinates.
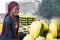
(15, 11)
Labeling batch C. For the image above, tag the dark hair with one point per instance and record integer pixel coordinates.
(11, 5)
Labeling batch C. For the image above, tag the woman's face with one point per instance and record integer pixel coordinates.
(15, 11)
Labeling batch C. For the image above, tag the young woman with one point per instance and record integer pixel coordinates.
(11, 23)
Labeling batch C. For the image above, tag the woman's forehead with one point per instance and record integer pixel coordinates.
(16, 7)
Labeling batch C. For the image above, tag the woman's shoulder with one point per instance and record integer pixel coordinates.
(8, 19)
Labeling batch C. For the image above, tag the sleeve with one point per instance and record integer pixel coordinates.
(7, 23)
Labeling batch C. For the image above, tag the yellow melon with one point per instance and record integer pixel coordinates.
(35, 28)
(49, 36)
(53, 28)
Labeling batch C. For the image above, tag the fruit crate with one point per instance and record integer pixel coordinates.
(30, 20)
(26, 21)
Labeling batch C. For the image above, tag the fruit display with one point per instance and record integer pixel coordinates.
(26, 19)
(38, 29)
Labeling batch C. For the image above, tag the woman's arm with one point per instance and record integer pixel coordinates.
(7, 23)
